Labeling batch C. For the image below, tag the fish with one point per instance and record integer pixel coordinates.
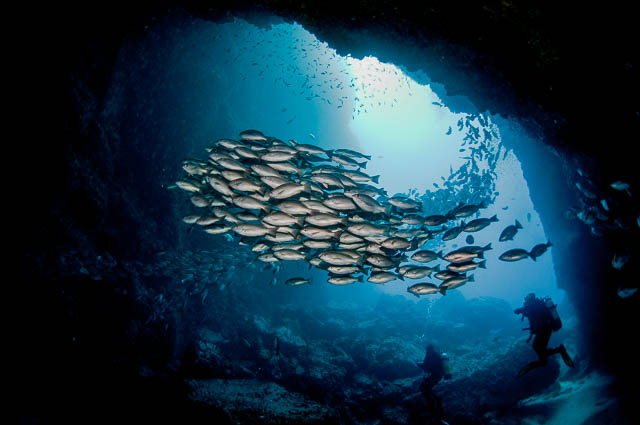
(366, 229)
(463, 211)
(325, 220)
(514, 255)
(479, 224)
(253, 135)
(466, 266)
(466, 253)
(188, 186)
(455, 282)
(509, 232)
(368, 204)
(469, 239)
(317, 233)
(344, 280)
(539, 249)
(626, 292)
(424, 256)
(278, 218)
(618, 261)
(250, 203)
(383, 277)
(340, 258)
(292, 207)
(288, 254)
(289, 190)
(296, 281)
(342, 270)
(340, 203)
(253, 230)
(424, 289)
(220, 185)
(621, 186)
(435, 220)
(453, 233)
(404, 203)
(418, 272)
(246, 185)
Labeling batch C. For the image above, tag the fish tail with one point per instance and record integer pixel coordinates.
(440, 255)
(483, 264)
(375, 179)
(443, 290)
(471, 278)
(400, 277)
(272, 232)
(436, 268)
(494, 218)
(481, 255)
(548, 243)
(487, 247)
(362, 164)
(518, 225)
(360, 279)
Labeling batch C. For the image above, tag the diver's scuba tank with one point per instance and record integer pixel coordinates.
(446, 366)
(556, 323)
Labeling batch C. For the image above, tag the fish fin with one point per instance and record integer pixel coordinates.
(483, 264)
(360, 261)
(436, 268)
(388, 210)
(533, 257)
(443, 290)
(360, 279)
(440, 255)
(362, 164)
(481, 255)
(300, 221)
(375, 179)
(273, 232)
(548, 243)
(400, 277)
(472, 278)
(494, 218)
(368, 157)
(267, 208)
(487, 247)
(518, 225)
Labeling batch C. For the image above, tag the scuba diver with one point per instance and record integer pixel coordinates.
(543, 320)
(437, 366)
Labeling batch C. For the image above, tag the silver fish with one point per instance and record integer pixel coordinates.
(325, 220)
(514, 255)
(479, 224)
(423, 289)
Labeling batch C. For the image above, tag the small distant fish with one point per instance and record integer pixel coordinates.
(626, 292)
(529, 217)
(620, 185)
(228, 237)
(538, 250)
(470, 239)
(295, 281)
(312, 136)
(619, 261)
(509, 232)
(448, 131)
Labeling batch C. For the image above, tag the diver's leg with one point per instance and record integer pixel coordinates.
(540, 347)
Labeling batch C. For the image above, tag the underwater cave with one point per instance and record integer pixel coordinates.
(145, 298)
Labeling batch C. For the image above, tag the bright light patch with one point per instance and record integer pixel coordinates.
(403, 125)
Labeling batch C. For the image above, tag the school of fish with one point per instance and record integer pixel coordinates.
(293, 201)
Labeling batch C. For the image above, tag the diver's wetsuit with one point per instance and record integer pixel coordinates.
(540, 325)
(434, 366)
